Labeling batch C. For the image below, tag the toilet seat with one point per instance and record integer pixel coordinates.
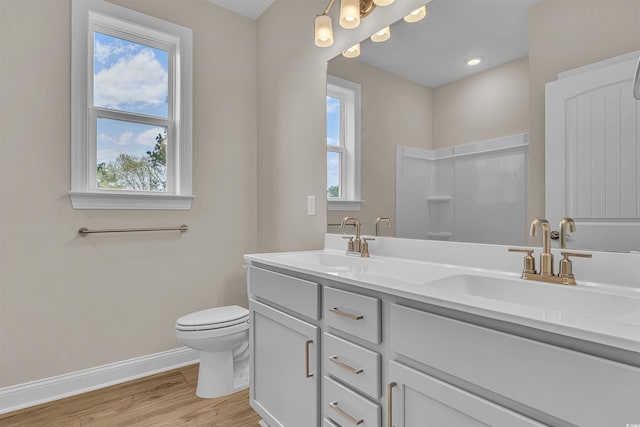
(213, 318)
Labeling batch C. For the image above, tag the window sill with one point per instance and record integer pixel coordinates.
(126, 200)
(344, 205)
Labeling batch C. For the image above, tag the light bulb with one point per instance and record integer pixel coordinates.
(416, 15)
(382, 35)
(352, 52)
(349, 14)
(383, 2)
(324, 32)
(474, 61)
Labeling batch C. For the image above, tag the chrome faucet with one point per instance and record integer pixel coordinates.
(564, 222)
(546, 257)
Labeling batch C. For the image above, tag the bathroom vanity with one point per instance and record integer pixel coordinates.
(429, 333)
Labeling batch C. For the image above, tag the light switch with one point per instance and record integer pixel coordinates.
(311, 205)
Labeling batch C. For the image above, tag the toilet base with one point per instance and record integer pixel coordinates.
(216, 375)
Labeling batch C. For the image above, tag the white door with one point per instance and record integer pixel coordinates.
(420, 400)
(284, 371)
(592, 153)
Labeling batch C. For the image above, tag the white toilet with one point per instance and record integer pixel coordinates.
(221, 335)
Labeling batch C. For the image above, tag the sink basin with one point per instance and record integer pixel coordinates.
(574, 300)
(331, 262)
(550, 302)
(326, 259)
(372, 269)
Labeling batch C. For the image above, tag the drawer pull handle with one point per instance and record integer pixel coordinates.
(354, 421)
(306, 358)
(390, 387)
(346, 367)
(347, 315)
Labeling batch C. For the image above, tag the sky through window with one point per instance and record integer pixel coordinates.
(333, 139)
(129, 77)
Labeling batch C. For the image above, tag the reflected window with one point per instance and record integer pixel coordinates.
(343, 144)
(335, 146)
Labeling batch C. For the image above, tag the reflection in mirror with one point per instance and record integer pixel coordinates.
(419, 100)
(445, 150)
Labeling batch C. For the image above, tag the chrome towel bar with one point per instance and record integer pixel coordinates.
(84, 230)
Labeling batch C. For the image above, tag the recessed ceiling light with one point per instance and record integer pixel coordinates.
(474, 61)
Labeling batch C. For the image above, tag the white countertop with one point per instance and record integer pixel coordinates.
(607, 313)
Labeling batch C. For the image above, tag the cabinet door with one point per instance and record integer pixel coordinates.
(419, 400)
(284, 371)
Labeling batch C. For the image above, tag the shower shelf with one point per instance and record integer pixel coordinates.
(439, 235)
(439, 199)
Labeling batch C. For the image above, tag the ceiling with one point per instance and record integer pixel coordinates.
(435, 50)
(249, 8)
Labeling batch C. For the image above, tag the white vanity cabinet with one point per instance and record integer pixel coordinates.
(329, 353)
(284, 371)
(420, 400)
(561, 386)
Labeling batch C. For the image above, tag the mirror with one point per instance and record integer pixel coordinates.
(461, 132)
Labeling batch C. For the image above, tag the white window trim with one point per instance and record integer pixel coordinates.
(83, 195)
(350, 174)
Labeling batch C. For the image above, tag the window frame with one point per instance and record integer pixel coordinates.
(97, 15)
(348, 93)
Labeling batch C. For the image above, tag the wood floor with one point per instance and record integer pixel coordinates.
(163, 400)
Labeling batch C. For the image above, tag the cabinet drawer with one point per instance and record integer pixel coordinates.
(352, 364)
(346, 407)
(300, 296)
(565, 384)
(353, 313)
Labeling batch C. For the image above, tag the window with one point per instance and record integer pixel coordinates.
(343, 144)
(131, 110)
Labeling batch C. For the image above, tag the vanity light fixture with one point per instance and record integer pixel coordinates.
(352, 52)
(474, 61)
(351, 11)
(382, 35)
(416, 15)
(324, 31)
(349, 14)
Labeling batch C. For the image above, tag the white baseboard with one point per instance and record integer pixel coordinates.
(34, 393)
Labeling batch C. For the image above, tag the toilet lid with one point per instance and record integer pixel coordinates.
(213, 318)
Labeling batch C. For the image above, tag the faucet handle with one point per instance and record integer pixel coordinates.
(566, 267)
(365, 246)
(529, 260)
(576, 254)
(350, 247)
